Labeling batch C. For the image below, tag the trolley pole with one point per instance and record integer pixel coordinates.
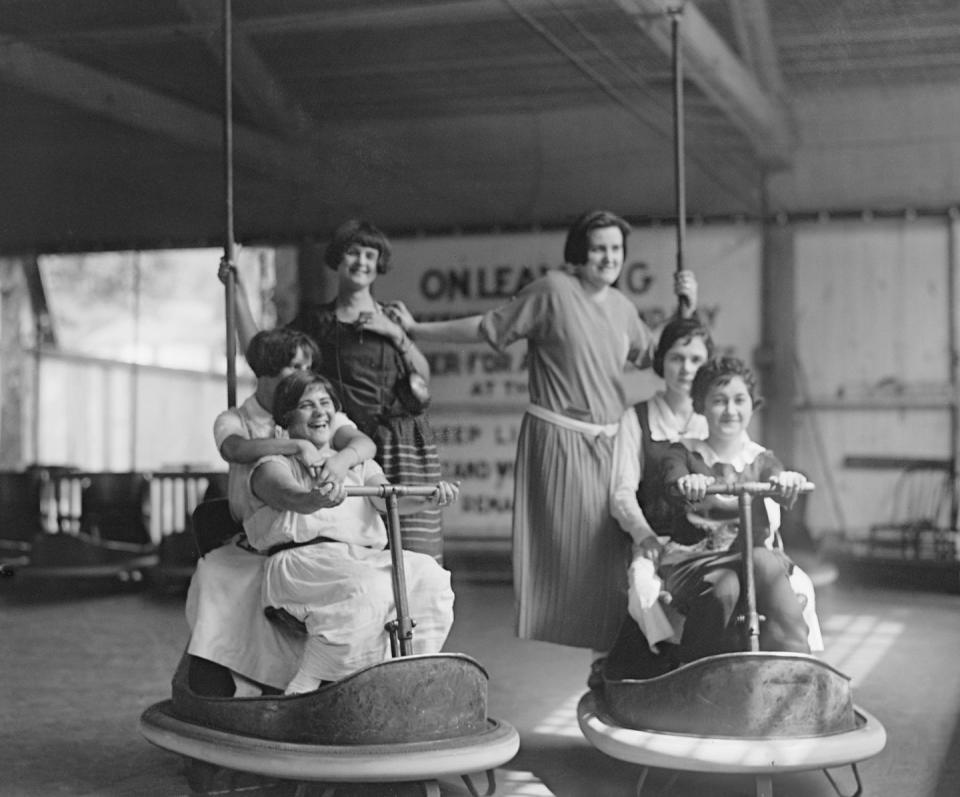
(679, 170)
(229, 252)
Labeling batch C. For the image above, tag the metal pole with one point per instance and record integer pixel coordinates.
(745, 501)
(230, 284)
(135, 362)
(678, 145)
(403, 625)
(953, 277)
(401, 629)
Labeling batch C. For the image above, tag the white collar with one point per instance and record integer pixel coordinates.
(665, 424)
(748, 453)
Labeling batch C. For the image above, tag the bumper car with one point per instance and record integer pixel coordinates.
(98, 520)
(754, 712)
(411, 718)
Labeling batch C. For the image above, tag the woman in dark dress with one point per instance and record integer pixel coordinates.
(378, 372)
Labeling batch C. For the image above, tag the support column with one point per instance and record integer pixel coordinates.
(16, 446)
(953, 285)
(776, 354)
(317, 281)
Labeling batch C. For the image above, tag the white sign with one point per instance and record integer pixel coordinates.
(479, 394)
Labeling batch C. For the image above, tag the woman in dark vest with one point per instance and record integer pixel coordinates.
(646, 431)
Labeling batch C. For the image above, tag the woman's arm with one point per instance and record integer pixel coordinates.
(274, 484)
(414, 358)
(627, 472)
(386, 325)
(456, 330)
(243, 450)
(353, 447)
(246, 324)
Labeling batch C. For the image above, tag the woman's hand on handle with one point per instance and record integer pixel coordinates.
(694, 486)
(446, 493)
(789, 484)
(328, 494)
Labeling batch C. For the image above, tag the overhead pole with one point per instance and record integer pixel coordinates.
(229, 248)
(675, 12)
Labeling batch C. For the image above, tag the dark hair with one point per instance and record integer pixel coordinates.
(683, 330)
(578, 236)
(272, 350)
(291, 389)
(719, 371)
(357, 231)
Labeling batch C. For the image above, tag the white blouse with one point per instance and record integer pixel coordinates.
(665, 425)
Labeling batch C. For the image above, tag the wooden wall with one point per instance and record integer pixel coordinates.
(875, 320)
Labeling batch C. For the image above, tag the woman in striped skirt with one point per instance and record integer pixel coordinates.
(379, 374)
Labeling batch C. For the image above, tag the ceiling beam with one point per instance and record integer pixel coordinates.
(751, 22)
(99, 93)
(393, 16)
(714, 68)
(654, 114)
(253, 82)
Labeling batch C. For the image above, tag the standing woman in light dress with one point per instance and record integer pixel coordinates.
(569, 556)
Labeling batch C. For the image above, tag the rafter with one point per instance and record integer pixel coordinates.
(462, 12)
(751, 21)
(714, 68)
(254, 83)
(133, 105)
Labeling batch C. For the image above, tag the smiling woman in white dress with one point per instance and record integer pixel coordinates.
(328, 566)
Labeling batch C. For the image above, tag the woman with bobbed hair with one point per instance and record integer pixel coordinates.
(647, 643)
(648, 428)
(379, 373)
(700, 565)
(568, 554)
(353, 232)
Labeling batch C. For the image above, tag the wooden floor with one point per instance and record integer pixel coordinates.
(80, 662)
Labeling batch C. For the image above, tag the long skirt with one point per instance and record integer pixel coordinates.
(225, 613)
(344, 595)
(570, 556)
(407, 452)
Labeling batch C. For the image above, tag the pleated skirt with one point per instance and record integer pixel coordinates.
(407, 452)
(570, 556)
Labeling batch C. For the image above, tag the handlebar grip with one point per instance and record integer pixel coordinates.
(383, 490)
(753, 488)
